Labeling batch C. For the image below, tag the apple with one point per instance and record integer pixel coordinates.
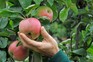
(45, 12)
(19, 52)
(31, 27)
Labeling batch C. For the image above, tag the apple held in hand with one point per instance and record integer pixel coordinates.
(31, 27)
(18, 53)
(45, 12)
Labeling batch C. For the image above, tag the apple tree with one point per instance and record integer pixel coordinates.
(70, 22)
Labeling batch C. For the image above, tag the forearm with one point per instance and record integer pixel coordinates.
(59, 57)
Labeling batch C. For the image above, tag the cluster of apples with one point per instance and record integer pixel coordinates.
(31, 27)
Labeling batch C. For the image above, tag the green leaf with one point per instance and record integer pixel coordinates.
(90, 50)
(18, 9)
(50, 2)
(3, 22)
(68, 2)
(87, 8)
(90, 53)
(4, 33)
(63, 14)
(80, 51)
(66, 41)
(25, 3)
(33, 6)
(55, 10)
(3, 42)
(37, 57)
(8, 4)
(38, 2)
(71, 5)
(44, 21)
(2, 4)
(31, 10)
(82, 59)
(11, 24)
(9, 13)
(2, 56)
(74, 8)
(90, 27)
(60, 2)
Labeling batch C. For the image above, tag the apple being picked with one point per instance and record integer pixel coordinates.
(45, 12)
(31, 27)
(19, 52)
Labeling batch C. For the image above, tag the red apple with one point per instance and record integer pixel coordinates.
(31, 27)
(18, 53)
(45, 12)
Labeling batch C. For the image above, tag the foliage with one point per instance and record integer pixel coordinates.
(72, 25)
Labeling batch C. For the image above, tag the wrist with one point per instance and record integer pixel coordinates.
(55, 52)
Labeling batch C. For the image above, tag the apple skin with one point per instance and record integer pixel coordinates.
(45, 12)
(18, 53)
(31, 27)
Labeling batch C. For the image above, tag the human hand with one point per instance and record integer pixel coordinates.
(48, 46)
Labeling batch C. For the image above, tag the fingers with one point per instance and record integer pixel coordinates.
(33, 45)
(28, 41)
(45, 34)
(21, 39)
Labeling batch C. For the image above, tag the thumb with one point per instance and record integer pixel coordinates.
(45, 34)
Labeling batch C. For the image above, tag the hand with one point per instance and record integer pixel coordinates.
(48, 46)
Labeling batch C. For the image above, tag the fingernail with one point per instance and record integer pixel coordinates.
(20, 33)
(17, 32)
(42, 28)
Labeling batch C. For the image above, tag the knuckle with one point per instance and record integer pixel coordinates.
(40, 47)
(24, 45)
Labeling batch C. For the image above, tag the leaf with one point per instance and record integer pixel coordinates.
(11, 23)
(50, 2)
(60, 2)
(18, 9)
(74, 8)
(37, 57)
(82, 59)
(2, 56)
(65, 41)
(38, 2)
(55, 12)
(25, 3)
(2, 4)
(33, 6)
(90, 53)
(3, 22)
(3, 42)
(68, 2)
(4, 33)
(87, 8)
(90, 50)
(90, 27)
(63, 14)
(31, 10)
(80, 51)
(9, 13)
(8, 4)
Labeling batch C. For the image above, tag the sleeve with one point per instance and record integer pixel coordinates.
(59, 57)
